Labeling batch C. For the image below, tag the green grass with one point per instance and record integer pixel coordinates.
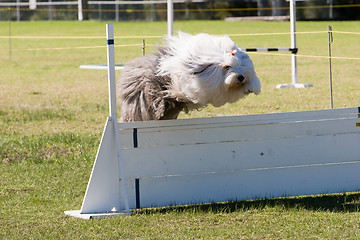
(52, 115)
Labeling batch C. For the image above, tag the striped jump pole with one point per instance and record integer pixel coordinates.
(292, 50)
(112, 109)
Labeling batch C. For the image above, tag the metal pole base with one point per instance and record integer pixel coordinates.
(293, 85)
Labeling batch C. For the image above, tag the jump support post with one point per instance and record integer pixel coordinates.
(294, 75)
(193, 161)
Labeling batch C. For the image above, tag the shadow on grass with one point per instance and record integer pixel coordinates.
(342, 202)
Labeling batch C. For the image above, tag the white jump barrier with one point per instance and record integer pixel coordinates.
(193, 161)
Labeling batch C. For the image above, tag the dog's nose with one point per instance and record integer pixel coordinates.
(241, 78)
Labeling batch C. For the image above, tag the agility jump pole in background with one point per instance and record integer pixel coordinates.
(204, 160)
(293, 50)
(294, 75)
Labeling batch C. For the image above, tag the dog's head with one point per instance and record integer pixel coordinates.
(208, 69)
(239, 75)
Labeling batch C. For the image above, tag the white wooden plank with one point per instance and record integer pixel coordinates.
(240, 156)
(189, 136)
(299, 116)
(268, 183)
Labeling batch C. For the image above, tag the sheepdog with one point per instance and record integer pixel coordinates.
(187, 72)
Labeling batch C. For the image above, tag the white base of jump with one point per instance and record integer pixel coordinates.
(293, 85)
(78, 214)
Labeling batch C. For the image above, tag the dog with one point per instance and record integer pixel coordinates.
(186, 72)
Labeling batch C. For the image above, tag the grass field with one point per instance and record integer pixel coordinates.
(52, 115)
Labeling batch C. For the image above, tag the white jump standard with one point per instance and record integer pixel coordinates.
(191, 161)
(294, 75)
(105, 188)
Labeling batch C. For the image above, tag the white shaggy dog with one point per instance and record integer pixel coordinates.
(188, 72)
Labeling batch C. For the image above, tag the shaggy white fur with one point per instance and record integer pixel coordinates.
(187, 72)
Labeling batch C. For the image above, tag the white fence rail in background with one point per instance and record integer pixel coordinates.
(33, 5)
